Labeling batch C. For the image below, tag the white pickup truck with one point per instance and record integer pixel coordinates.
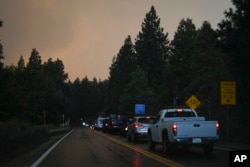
(182, 127)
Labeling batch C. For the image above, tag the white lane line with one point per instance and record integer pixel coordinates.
(221, 148)
(40, 159)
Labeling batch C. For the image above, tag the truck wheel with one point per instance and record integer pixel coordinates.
(165, 143)
(151, 143)
(208, 148)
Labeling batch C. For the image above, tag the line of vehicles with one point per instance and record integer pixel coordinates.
(133, 128)
(171, 128)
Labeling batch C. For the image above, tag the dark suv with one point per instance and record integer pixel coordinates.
(115, 123)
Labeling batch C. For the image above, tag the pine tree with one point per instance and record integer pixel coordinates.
(120, 71)
(1, 49)
(234, 36)
(182, 47)
(137, 91)
(21, 63)
(152, 49)
(207, 68)
(35, 87)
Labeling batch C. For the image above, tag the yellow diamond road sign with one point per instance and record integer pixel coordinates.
(228, 93)
(193, 102)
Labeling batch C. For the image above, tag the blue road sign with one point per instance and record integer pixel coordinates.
(139, 108)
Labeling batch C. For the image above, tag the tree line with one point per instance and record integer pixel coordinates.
(153, 70)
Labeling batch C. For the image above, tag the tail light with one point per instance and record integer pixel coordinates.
(174, 129)
(179, 110)
(138, 125)
(217, 127)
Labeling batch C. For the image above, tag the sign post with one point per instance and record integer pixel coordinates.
(228, 97)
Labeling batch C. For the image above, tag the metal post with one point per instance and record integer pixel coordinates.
(63, 120)
(228, 124)
(44, 118)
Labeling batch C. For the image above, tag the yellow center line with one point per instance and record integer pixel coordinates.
(146, 153)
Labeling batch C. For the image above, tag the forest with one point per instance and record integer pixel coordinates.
(152, 70)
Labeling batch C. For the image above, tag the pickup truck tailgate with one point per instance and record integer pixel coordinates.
(190, 129)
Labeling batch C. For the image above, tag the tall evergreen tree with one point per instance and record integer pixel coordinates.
(122, 67)
(137, 91)
(1, 49)
(22, 88)
(182, 47)
(207, 68)
(55, 89)
(54, 70)
(2, 86)
(35, 87)
(21, 63)
(152, 49)
(8, 99)
(234, 36)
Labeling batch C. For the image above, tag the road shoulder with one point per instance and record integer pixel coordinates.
(28, 158)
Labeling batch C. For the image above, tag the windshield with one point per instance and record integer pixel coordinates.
(179, 114)
(145, 120)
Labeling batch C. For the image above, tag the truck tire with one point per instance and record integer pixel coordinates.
(208, 148)
(151, 143)
(165, 143)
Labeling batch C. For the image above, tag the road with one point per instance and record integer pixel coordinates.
(84, 147)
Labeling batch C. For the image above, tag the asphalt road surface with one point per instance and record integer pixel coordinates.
(84, 147)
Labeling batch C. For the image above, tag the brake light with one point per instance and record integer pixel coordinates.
(174, 129)
(180, 110)
(138, 125)
(217, 128)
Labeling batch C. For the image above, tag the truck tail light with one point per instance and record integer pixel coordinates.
(217, 127)
(174, 129)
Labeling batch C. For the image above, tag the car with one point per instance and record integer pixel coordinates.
(105, 125)
(138, 129)
(99, 123)
(124, 127)
(115, 123)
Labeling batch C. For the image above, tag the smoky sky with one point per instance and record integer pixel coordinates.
(87, 34)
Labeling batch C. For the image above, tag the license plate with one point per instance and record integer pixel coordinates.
(196, 140)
